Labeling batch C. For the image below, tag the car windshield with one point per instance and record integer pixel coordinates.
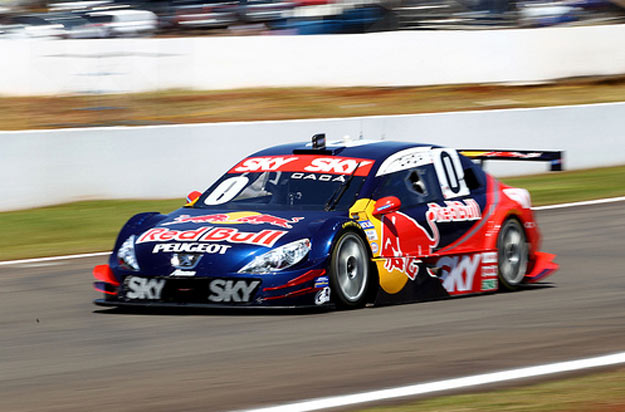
(282, 191)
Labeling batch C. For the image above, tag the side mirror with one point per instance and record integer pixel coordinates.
(193, 196)
(385, 205)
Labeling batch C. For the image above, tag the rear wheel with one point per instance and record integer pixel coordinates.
(512, 254)
(350, 272)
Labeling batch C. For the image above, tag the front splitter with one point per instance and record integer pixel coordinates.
(173, 305)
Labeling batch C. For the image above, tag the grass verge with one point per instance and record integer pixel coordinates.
(600, 392)
(92, 226)
(70, 228)
(572, 186)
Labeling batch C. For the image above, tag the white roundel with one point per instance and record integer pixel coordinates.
(450, 173)
(227, 190)
(405, 159)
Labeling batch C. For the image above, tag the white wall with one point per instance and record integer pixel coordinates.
(48, 167)
(405, 58)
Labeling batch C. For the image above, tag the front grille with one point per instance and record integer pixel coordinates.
(186, 290)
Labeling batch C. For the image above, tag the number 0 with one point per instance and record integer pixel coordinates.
(450, 173)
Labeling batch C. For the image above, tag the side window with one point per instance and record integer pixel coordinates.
(473, 175)
(412, 186)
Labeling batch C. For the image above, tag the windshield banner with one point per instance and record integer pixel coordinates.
(305, 163)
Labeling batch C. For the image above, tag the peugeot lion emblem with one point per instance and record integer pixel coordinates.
(185, 260)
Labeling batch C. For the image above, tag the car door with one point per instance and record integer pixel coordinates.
(438, 206)
(462, 199)
(406, 231)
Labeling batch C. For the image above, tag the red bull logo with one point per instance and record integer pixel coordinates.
(454, 211)
(267, 237)
(271, 220)
(252, 218)
(403, 238)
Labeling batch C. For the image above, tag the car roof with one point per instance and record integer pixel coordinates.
(365, 149)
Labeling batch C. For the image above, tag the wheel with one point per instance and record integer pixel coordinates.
(350, 272)
(512, 253)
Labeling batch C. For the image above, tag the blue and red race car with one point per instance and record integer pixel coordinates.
(343, 224)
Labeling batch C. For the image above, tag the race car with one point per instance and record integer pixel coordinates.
(342, 224)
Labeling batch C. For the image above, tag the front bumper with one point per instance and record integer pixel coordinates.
(308, 289)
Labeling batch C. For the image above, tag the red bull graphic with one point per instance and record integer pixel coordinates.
(271, 220)
(455, 211)
(305, 163)
(409, 266)
(403, 238)
(237, 218)
(267, 237)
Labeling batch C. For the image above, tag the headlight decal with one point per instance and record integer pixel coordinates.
(126, 254)
(278, 259)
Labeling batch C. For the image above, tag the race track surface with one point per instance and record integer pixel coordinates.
(58, 352)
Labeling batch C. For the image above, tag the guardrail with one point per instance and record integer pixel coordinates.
(405, 58)
(57, 166)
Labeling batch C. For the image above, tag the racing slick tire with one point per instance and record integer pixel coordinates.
(350, 271)
(512, 254)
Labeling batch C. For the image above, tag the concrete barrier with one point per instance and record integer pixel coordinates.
(405, 58)
(56, 166)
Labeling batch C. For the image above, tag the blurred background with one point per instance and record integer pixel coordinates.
(94, 131)
(144, 18)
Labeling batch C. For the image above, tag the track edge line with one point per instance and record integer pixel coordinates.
(445, 385)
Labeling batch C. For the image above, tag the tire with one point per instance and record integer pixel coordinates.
(512, 255)
(350, 271)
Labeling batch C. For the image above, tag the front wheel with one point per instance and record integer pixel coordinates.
(512, 254)
(350, 272)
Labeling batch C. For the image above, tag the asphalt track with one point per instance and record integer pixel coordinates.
(58, 352)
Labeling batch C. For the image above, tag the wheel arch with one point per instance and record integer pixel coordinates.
(136, 224)
(353, 226)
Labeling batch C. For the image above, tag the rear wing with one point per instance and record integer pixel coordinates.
(554, 157)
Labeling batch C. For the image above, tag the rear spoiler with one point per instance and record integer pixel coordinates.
(554, 157)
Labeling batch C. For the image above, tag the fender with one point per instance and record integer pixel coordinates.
(137, 224)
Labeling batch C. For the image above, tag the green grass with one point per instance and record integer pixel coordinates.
(572, 186)
(92, 226)
(601, 392)
(71, 228)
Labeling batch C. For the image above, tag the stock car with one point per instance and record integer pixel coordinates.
(340, 225)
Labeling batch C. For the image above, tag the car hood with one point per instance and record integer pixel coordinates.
(222, 242)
